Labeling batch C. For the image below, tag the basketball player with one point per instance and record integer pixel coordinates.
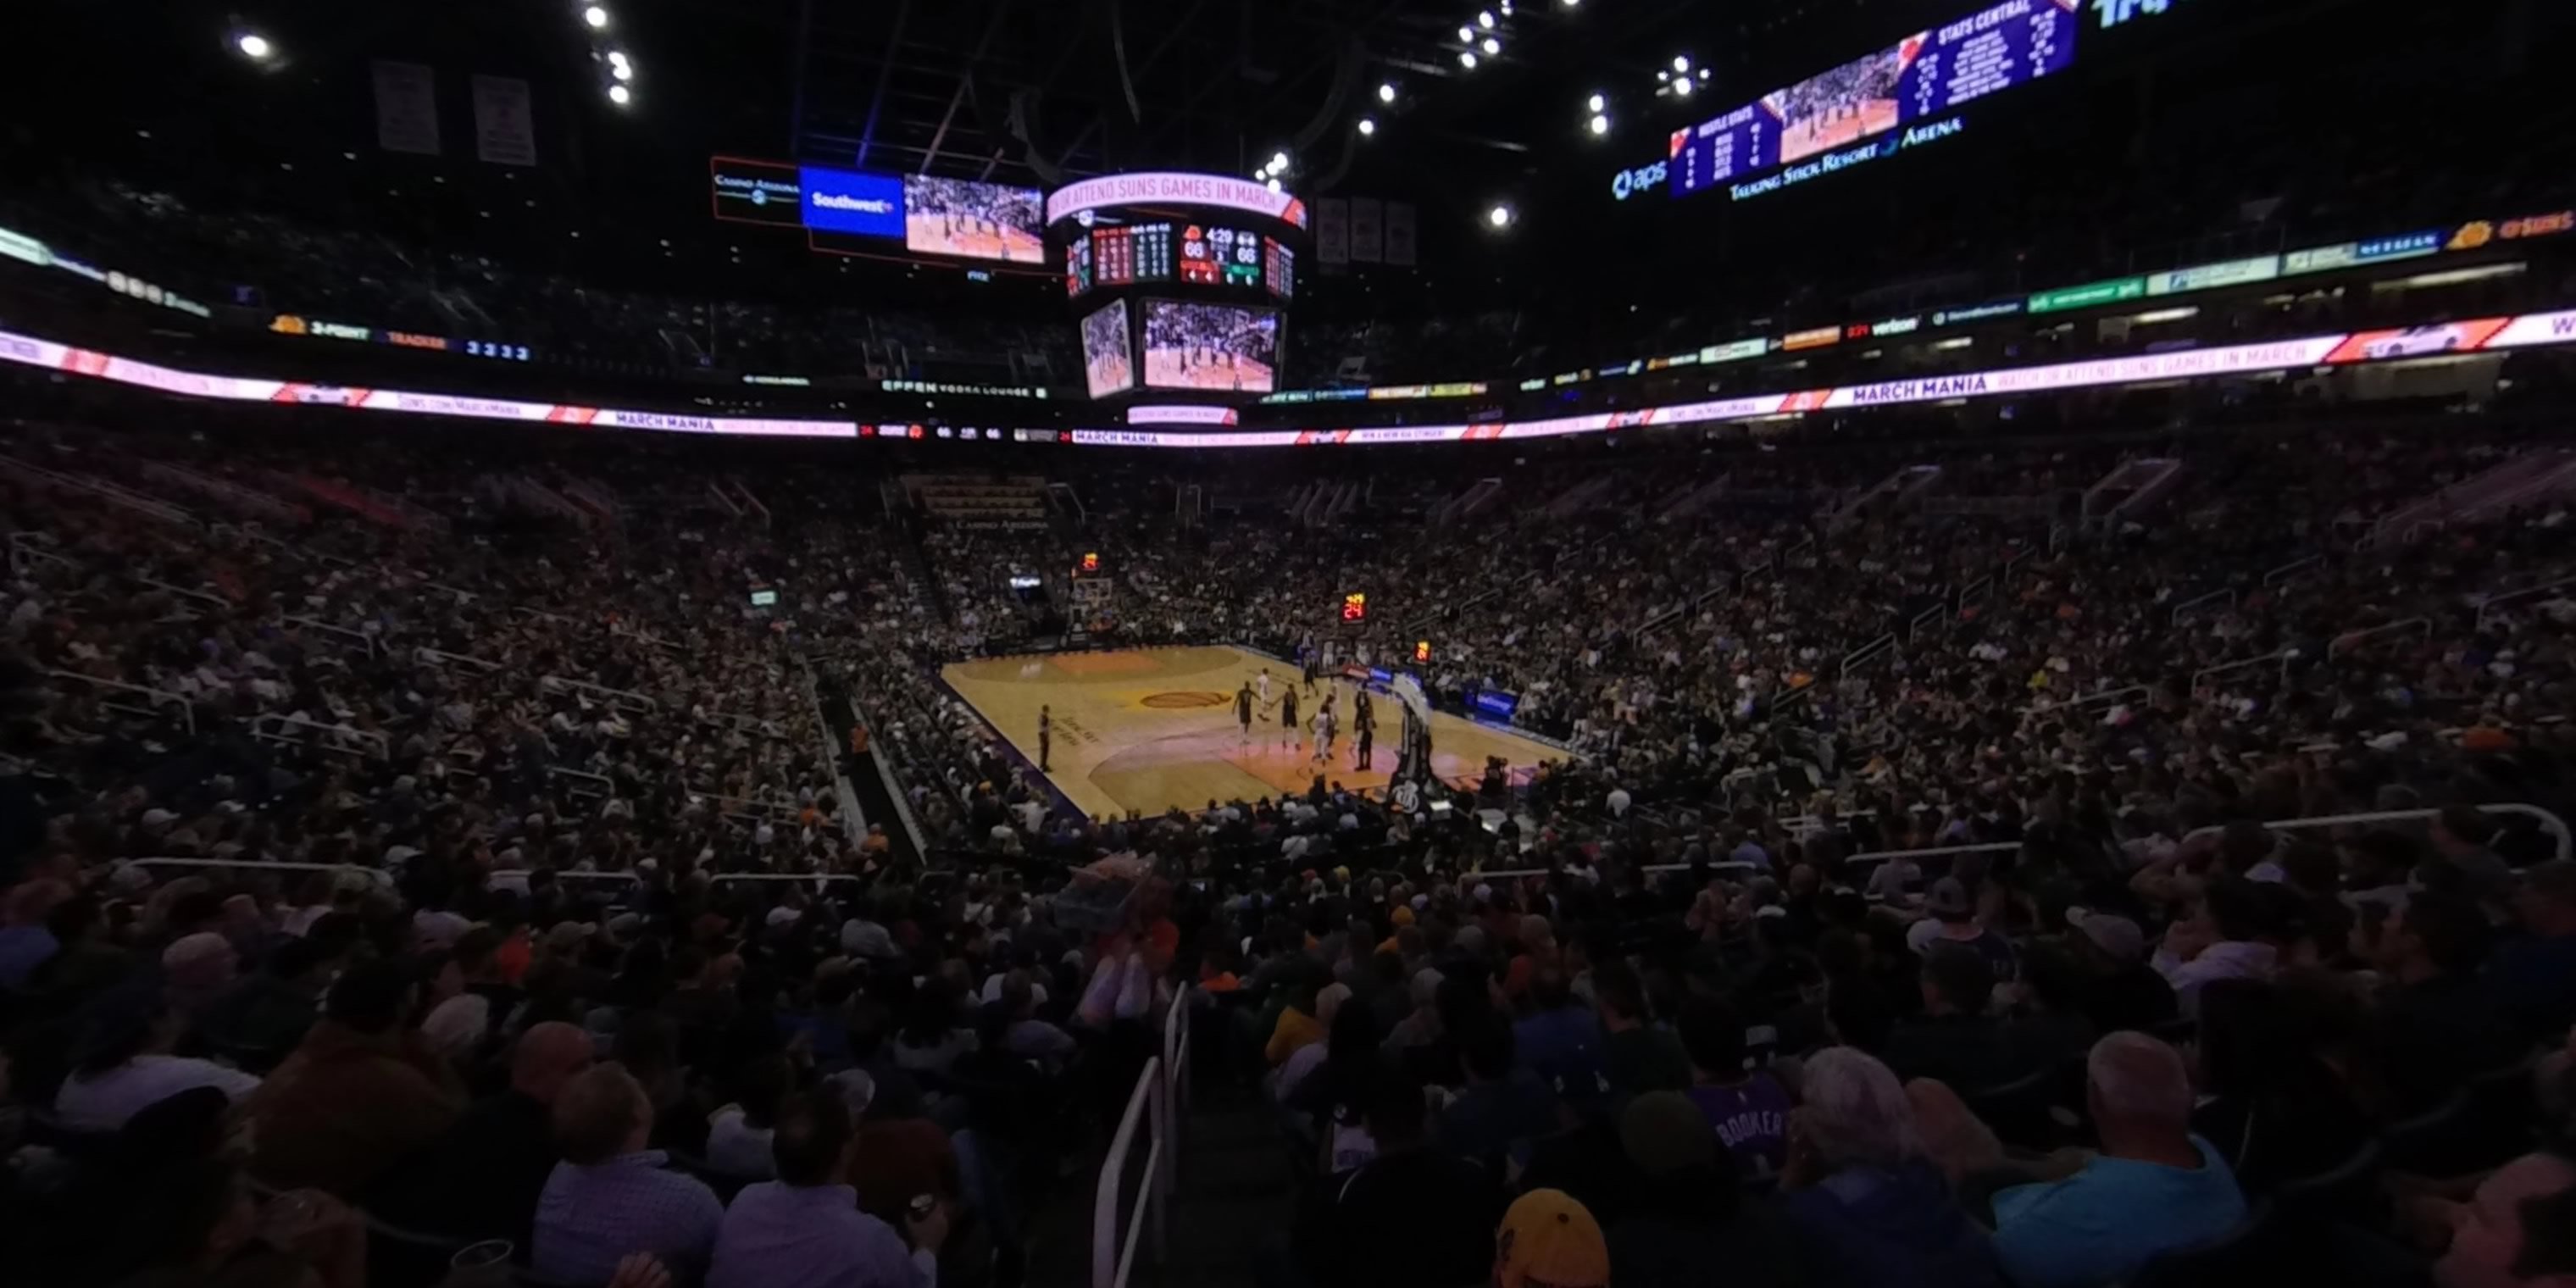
(1324, 731)
(1312, 666)
(1264, 681)
(1243, 711)
(1366, 734)
(1046, 736)
(1287, 716)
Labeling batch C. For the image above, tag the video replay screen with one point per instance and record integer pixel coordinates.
(974, 220)
(1107, 367)
(1210, 346)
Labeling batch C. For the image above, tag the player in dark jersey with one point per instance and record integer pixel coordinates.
(1243, 710)
(1288, 716)
(1046, 736)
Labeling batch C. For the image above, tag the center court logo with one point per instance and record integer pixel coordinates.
(1185, 700)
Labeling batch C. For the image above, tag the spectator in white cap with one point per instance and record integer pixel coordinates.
(2118, 990)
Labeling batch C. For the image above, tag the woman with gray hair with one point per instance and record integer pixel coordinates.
(1863, 1192)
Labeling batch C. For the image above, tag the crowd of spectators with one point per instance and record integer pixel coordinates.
(586, 960)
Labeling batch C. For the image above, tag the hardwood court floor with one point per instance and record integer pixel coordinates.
(1149, 729)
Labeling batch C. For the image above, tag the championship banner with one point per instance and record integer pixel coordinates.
(1400, 246)
(1368, 230)
(406, 108)
(505, 132)
(1333, 231)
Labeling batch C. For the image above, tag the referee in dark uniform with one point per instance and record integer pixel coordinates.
(1046, 736)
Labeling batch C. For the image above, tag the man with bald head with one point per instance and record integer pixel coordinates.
(481, 1180)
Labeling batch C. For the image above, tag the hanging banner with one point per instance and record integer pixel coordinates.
(505, 133)
(1332, 231)
(1368, 230)
(1400, 233)
(406, 108)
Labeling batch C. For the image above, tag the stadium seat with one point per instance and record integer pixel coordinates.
(2020, 1111)
(2247, 1256)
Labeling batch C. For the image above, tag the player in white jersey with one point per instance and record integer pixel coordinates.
(1262, 686)
(1324, 731)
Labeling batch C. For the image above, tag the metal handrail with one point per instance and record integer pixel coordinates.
(614, 696)
(2226, 593)
(159, 698)
(2350, 638)
(1113, 1257)
(378, 875)
(259, 728)
(2550, 822)
(2285, 657)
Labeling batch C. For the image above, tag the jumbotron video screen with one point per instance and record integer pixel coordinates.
(974, 220)
(1107, 366)
(1210, 346)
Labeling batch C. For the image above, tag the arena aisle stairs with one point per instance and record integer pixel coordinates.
(1235, 1197)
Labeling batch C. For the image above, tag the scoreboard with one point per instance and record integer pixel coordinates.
(1142, 253)
(1279, 268)
(1918, 79)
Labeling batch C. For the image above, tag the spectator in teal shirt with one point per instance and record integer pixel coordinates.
(2154, 1188)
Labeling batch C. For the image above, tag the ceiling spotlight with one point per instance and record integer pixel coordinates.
(1500, 216)
(1596, 104)
(1492, 46)
(1467, 59)
(1703, 73)
(1273, 185)
(1367, 126)
(254, 46)
(621, 71)
(1681, 63)
(594, 15)
(1682, 88)
(1485, 19)
(1663, 76)
(1506, 7)
(1279, 162)
(1466, 34)
(1386, 92)
(1600, 124)
(620, 95)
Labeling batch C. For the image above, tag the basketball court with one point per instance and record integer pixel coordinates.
(1150, 729)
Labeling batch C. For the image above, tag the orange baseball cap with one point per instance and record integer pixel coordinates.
(1548, 1240)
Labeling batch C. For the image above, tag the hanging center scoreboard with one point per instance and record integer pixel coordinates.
(1181, 280)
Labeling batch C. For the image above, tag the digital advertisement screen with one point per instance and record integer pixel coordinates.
(1107, 364)
(1917, 79)
(1279, 269)
(845, 201)
(755, 192)
(1142, 253)
(1077, 266)
(1210, 346)
(974, 220)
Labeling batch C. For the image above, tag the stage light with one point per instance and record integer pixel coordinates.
(1367, 126)
(1500, 216)
(1569, 3)
(1600, 124)
(1466, 35)
(1596, 104)
(1386, 92)
(1681, 63)
(620, 95)
(1662, 76)
(1274, 185)
(1279, 162)
(1703, 73)
(1485, 19)
(594, 15)
(254, 46)
(1467, 59)
(1682, 88)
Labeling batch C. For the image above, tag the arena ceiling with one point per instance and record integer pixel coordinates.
(1025, 91)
